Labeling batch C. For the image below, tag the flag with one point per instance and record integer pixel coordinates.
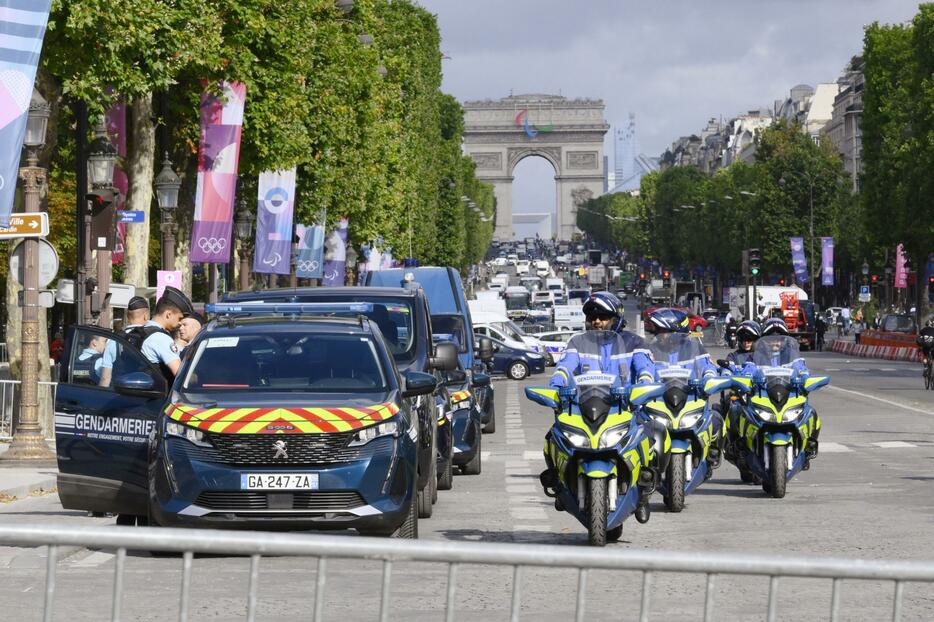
(335, 255)
(309, 263)
(218, 158)
(22, 28)
(115, 119)
(901, 273)
(275, 206)
(826, 252)
(798, 261)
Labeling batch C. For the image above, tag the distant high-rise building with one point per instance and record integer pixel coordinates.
(625, 149)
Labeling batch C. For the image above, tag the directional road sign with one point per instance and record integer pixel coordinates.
(34, 225)
(132, 216)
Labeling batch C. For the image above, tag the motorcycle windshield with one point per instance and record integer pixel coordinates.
(595, 342)
(594, 394)
(776, 351)
(675, 349)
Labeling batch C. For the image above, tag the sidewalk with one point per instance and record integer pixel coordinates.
(21, 481)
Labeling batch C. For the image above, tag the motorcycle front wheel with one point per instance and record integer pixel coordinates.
(778, 468)
(596, 531)
(675, 498)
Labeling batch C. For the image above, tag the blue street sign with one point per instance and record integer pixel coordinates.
(131, 216)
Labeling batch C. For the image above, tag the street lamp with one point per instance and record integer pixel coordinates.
(28, 440)
(865, 268)
(350, 264)
(167, 184)
(810, 180)
(102, 158)
(244, 225)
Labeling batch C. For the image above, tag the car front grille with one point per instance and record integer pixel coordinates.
(316, 501)
(300, 449)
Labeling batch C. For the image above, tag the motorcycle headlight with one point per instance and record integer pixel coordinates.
(659, 417)
(612, 436)
(364, 436)
(764, 413)
(689, 420)
(793, 414)
(173, 428)
(575, 437)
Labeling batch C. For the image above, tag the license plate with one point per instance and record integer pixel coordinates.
(279, 481)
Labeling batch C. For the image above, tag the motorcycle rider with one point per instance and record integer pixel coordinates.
(926, 340)
(603, 312)
(746, 336)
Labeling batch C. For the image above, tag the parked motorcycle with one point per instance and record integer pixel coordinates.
(776, 431)
(597, 451)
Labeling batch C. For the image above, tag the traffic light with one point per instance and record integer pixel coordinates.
(642, 276)
(103, 218)
(931, 281)
(666, 274)
(755, 261)
(875, 279)
(781, 282)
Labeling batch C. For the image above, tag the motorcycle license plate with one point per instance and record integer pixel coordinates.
(279, 481)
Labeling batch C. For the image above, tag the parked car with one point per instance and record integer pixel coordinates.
(514, 363)
(898, 323)
(556, 341)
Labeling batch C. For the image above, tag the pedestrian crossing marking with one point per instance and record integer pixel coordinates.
(894, 444)
(833, 448)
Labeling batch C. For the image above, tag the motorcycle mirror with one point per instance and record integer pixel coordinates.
(542, 395)
(723, 363)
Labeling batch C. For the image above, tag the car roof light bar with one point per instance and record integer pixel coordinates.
(294, 308)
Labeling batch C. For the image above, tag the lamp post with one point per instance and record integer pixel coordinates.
(167, 184)
(28, 440)
(350, 264)
(244, 224)
(810, 180)
(102, 158)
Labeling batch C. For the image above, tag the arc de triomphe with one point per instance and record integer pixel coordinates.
(566, 132)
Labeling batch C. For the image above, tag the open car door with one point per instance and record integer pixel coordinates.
(108, 402)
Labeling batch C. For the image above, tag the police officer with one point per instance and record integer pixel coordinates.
(746, 336)
(137, 314)
(159, 347)
(188, 329)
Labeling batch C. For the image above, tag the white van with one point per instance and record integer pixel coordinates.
(501, 327)
(569, 317)
(522, 266)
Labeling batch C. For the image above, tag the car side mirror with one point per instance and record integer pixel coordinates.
(481, 380)
(139, 384)
(485, 349)
(445, 358)
(419, 383)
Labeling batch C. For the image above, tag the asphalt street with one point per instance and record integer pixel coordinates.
(867, 496)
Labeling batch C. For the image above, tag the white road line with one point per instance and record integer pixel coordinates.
(515, 441)
(893, 444)
(521, 488)
(485, 455)
(94, 559)
(532, 455)
(541, 528)
(832, 369)
(528, 513)
(884, 401)
(833, 448)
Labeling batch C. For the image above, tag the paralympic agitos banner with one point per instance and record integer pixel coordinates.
(826, 264)
(335, 255)
(218, 158)
(22, 28)
(798, 261)
(274, 209)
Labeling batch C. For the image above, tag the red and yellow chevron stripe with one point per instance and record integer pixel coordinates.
(459, 396)
(280, 420)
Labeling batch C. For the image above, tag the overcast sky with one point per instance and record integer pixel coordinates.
(673, 63)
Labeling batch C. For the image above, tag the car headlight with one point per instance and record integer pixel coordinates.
(612, 436)
(792, 414)
(764, 413)
(534, 357)
(364, 436)
(575, 437)
(173, 428)
(689, 420)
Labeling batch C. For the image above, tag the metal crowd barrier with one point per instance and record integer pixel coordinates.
(188, 542)
(9, 404)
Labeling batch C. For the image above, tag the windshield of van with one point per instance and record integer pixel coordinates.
(292, 361)
(452, 325)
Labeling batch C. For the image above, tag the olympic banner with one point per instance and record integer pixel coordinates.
(826, 266)
(335, 255)
(275, 206)
(309, 264)
(901, 273)
(798, 261)
(115, 119)
(218, 158)
(22, 28)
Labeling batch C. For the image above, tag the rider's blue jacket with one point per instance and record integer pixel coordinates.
(630, 366)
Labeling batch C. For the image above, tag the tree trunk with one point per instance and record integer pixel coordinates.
(140, 168)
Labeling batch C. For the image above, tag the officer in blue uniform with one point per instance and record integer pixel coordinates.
(159, 346)
(137, 314)
(90, 360)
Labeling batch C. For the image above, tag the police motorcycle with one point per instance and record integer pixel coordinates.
(685, 410)
(598, 449)
(777, 427)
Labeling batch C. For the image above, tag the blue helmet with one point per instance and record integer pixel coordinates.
(605, 303)
(774, 326)
(748, 330)
(668, 320)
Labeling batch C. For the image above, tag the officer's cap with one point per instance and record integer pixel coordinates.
(136, 303)
(197, 316)
(177, 298)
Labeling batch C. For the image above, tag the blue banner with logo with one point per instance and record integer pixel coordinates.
(22, 28)
(798, 261)
(826, 264)
(309, 263)
(335, 255)
(275, 205)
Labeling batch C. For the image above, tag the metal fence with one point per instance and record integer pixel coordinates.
(517, 557)
(9, 406)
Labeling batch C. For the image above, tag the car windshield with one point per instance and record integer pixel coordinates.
(451, 327)
(775, 351)
(292, 361)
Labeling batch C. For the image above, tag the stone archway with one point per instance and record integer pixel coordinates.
(566, 132)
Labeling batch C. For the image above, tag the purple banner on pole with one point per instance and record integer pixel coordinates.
(309, 264)
(798, 261)
(335, 255)
(901, 272)
(274, 209)
(218, 159)
(22, 24)
(826, 254)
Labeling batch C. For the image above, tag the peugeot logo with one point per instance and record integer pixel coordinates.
(279, 446)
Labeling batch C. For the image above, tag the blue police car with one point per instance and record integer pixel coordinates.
(279, 418)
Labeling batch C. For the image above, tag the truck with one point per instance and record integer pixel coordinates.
(487, 302)
(787, 302)
(518, 300)
(657, 293)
